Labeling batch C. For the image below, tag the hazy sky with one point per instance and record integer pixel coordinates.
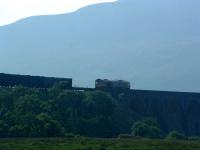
(13, 10)
(153, 44)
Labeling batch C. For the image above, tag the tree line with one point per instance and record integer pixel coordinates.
(59, 112)
(31, 112)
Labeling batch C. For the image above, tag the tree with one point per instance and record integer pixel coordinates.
(31, 112)
(146, 128)
(18, 130)
(97, 116)
(47, 127)
(28, 103)
(99, 103)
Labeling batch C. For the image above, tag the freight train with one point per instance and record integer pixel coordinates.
(10, 80)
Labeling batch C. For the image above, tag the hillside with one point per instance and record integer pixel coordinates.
(140, 41)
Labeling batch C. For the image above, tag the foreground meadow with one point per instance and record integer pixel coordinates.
(95, 144)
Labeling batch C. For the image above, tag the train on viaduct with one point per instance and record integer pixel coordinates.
(11, 80)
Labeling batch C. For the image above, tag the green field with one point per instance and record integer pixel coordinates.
(95, 144)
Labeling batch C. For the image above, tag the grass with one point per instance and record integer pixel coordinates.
(95, 144)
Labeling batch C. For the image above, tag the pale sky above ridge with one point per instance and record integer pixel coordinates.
(14, 10)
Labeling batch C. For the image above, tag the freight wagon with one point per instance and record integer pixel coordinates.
(10, 80)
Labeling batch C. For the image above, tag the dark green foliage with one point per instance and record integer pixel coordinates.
(95, 144)
(46, 126)
(146, 128)
(55, 112)
(33, 112)
(175, 135)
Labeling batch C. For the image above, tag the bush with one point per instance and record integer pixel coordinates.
(147, 128)
(175, 135)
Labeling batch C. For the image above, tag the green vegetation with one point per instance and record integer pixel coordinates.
(95, 144)
(55, 112)
(175, 135)
(148, 128)
(60, 112)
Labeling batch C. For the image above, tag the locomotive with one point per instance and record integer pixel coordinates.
(10, 80)
(105, 84)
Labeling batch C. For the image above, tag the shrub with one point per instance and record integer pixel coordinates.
(175, 135)
(147, 128)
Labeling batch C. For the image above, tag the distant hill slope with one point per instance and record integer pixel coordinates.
(154, 44)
